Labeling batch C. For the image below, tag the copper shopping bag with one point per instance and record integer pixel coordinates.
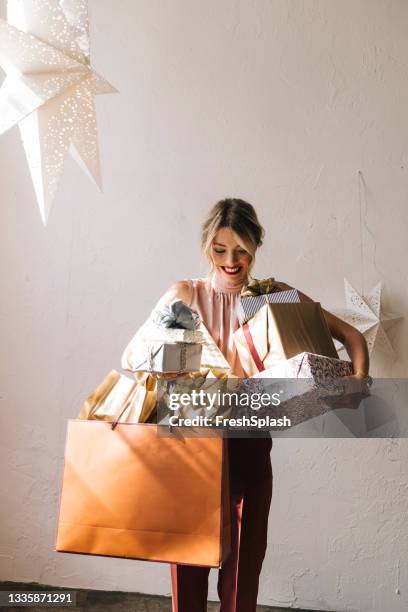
(127, 492)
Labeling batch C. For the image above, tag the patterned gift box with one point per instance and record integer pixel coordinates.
(316, 373)
(308, 365)
(312, 385)
(249, 306)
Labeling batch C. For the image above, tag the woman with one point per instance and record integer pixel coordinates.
(231, 235)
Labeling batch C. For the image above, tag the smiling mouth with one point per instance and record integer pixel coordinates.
(232, 271)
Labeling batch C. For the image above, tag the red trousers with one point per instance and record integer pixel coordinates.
(238, 578)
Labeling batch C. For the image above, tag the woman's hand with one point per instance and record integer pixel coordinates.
(351, 390)
(355, 388)
(361, 376)
(359, 373)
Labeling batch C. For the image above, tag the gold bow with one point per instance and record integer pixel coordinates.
(259, 287)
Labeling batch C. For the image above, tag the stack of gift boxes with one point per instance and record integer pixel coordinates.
(169, 341)
(282, 337)
(173, 342)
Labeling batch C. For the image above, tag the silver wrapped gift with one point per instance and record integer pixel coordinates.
(174, 324)
(164, 357)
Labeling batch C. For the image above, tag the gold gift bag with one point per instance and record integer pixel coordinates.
(122, 399)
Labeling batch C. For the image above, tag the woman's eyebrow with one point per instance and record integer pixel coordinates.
(223, 245)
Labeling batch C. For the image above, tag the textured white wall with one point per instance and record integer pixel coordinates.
(277, 101)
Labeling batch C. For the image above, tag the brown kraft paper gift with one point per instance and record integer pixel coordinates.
(281, 331)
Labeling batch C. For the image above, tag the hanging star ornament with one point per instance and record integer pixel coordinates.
(366, 314)
(50, 89)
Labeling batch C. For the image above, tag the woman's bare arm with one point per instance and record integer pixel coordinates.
(349, 336)
(180, 290)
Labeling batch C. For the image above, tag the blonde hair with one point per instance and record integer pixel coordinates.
(241, 218)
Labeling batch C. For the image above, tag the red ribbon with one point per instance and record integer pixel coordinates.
(252, 348)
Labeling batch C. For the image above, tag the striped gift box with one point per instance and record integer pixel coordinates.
(249, 306)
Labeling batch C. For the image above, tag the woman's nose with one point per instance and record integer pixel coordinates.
(232, 259)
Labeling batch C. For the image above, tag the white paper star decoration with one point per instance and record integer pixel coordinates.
(366, 314)
(50, 88)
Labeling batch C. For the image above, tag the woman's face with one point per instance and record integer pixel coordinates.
(230, 259)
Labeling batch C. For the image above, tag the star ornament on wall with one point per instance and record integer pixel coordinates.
(50, 89)
(366, 314)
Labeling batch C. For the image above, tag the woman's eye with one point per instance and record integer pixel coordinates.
(219, 250)
(241, 251)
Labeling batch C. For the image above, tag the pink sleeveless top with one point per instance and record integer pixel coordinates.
(216, 303)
